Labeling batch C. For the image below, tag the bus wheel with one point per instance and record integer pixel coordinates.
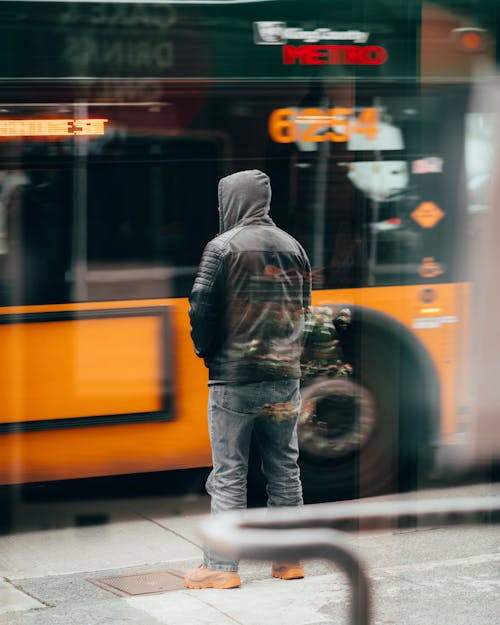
(348, 428)
(345, 441)
(370, 434)
(337, 418)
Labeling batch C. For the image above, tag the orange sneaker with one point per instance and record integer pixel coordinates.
(288, 570)
(203, 577)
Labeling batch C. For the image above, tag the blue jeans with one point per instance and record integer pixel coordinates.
(271, 410)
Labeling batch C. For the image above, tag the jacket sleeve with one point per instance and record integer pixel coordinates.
(206, 303)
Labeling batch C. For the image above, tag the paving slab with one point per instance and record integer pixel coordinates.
(14, 600)
(67, 589)
(72, 550)
(96, 613)
(295, 602)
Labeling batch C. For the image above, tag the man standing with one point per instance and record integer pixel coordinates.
(247, 309)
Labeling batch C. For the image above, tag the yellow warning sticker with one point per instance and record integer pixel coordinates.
(427, 214)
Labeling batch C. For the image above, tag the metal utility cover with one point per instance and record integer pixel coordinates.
(141, 583)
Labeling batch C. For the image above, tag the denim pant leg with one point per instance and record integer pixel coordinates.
(277, 439)
(230, 428)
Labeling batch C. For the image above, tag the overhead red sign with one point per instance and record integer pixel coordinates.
(334, 55)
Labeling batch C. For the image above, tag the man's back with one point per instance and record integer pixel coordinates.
(254, 286)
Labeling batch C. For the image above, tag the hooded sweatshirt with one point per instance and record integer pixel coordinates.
(252, 290)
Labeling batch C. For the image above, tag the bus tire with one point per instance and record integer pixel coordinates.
(371, 434)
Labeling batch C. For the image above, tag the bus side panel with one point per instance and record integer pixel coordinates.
(76, 452)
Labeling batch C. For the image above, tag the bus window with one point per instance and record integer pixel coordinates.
(124, 218)
(150, 207)
(35, 212)
(386, 198)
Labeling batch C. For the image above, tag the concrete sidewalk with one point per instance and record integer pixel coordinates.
(53, 576)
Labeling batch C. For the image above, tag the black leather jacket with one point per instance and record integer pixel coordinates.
(252, 292)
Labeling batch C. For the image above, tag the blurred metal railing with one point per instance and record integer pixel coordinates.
(319, 531)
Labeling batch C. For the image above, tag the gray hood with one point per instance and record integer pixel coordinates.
(244, 198)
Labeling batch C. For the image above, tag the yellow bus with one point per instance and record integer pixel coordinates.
(117, 119)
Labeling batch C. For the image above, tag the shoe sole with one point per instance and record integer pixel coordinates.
(230, 583)
(292, 574)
